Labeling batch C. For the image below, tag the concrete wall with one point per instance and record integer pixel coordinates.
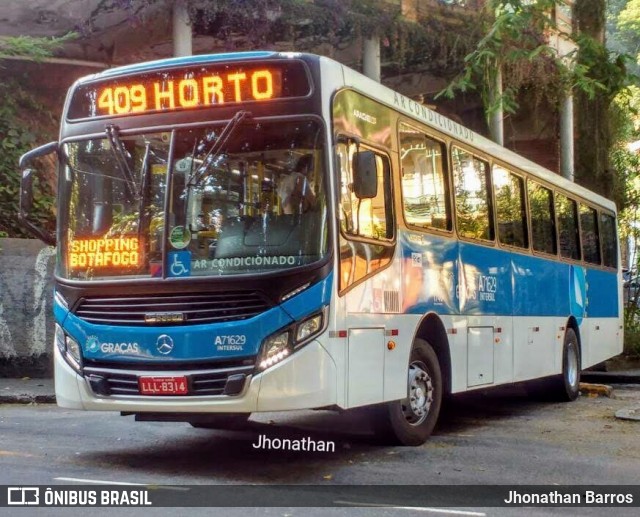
(26, 319)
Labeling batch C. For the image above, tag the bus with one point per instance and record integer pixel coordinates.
(264, 231)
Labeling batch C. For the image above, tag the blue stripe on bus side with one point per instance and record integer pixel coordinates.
(602, 294)
(430, 273)
(454, 277)
(541, 286)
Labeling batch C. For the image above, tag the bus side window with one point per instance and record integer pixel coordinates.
(567, 212)
(589, 234)
(609, 240)
(473, 198)
(425, 197)
(510, 208)
(543, 227)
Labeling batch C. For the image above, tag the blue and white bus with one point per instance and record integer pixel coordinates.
(265, 231)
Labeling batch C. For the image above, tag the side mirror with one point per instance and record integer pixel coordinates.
(29, 169)
(365, 175)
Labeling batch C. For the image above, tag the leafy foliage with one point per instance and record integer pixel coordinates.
(629, 25)
(516, 42)
(600, 120)
(17, 136)
(436, 41)
(513, 41)
(23, 122)
(35, 48)
(263, 23)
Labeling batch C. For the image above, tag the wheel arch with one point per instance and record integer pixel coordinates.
(432, 330)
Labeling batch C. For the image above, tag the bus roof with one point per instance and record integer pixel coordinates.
(183, 61)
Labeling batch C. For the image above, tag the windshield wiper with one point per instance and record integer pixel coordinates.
(120, 153)
(143, 216)
(217, 146)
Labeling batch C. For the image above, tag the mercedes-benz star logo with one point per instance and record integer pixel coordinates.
(164, 344)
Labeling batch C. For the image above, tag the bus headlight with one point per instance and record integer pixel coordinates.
(69, 348)
(61, 340)
(281, 344)
(309, 328)
(73, 352)
(275, 349)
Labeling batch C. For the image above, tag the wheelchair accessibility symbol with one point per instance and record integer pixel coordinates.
(179, 263)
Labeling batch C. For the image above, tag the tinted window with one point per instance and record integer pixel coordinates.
(609, 240)
(543, 228)
(424, 183)
(510, 208)
(568, 227)
(473, 202)
(589, 234)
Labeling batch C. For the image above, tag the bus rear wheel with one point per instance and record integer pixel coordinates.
(567, 387)
(411, 421)
(564, 387)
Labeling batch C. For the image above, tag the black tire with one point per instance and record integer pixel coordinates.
(567, 386)
(222, 421)
(411, 421)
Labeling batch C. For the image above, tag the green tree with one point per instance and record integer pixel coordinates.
(514, 41)
(33, 48)
(597, 118)
(23, 122)
(19, 134)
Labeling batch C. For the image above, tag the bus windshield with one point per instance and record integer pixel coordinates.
(237, 198)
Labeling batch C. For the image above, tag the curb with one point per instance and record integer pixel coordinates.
(610, 377)
(25, 398)
(629, 414)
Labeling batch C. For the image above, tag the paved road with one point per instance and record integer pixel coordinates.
(501, 437)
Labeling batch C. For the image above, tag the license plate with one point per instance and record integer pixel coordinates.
(163, 385)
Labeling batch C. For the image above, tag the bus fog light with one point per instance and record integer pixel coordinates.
(60, 339)
(309, 328)
(274, 350)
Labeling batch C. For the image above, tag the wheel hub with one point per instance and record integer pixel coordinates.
(417, 406)
(572, 367)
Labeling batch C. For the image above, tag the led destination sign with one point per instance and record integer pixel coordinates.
(188, 88)
(118, 252)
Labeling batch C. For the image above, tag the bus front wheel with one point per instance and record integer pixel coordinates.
(411, 421)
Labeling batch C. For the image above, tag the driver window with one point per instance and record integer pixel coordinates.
(369, 218)
(366, 225)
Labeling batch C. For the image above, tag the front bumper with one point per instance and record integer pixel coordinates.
(306, 379)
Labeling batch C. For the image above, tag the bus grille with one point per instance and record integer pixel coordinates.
(108, 382)
(174, 309)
